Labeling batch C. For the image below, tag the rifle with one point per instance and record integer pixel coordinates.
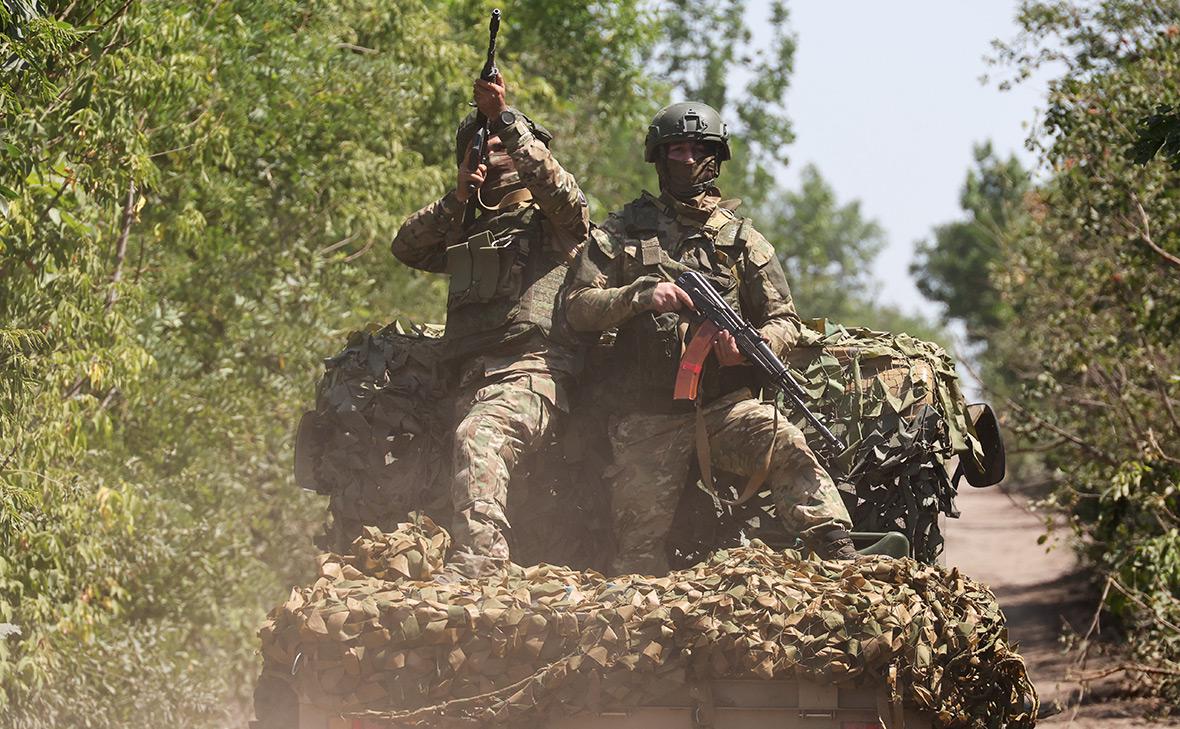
(479, 151)
(718, 316)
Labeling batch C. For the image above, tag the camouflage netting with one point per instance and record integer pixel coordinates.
(370, 637)
(896, 401)
(375, 441)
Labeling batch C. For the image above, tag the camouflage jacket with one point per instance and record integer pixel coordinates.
(655, 239)
(507, 267)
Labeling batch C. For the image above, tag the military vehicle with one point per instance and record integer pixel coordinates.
(377, 444)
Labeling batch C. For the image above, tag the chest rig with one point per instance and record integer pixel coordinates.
(501, 275)
(649, 345)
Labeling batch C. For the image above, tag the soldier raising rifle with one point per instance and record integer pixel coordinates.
(506, 259)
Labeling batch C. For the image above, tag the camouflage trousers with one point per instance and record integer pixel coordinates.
(654, 453)
(498, 422)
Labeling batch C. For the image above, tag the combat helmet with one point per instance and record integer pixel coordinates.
(468, 127)
(686, 120)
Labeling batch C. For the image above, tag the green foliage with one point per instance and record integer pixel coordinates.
(1092, 278)
(706, 47)
(1159, 132)
(954, 269)
(827, 249)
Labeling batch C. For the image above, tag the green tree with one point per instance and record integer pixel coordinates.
(1092, 278)
(707, 45)
(826, 248)
(954, 269)
(1159, 132)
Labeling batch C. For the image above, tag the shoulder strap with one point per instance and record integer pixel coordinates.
(742, 232)
(733, 234)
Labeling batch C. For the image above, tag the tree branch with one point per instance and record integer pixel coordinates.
(1038, 421)
(1145, 235)
(121, 245)
(1127, 594)
(1131, 667)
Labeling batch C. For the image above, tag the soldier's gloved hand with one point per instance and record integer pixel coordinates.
(726, 350)
(490, 97)
(466, 178)
(667, 296)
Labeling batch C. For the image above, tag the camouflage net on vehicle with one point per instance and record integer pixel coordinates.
(375, 442)
(895, 400)
(373, 637)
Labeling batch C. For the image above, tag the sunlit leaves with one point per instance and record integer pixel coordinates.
(1093, 289)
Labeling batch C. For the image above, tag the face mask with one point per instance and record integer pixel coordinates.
(687, 182)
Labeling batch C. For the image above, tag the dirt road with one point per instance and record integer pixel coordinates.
(995, 541)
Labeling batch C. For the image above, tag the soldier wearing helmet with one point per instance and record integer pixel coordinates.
(624, 279)
(515, 360)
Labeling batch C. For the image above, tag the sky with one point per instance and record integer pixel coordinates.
(886, 101)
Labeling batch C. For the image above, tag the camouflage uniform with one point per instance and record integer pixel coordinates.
(515, 364)
(652, 240)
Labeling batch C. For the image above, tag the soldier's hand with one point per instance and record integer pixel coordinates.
(667, 296)
(490, 96)
(726, 349)
(466, 179)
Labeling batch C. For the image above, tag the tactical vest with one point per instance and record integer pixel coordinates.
(648, 346)
(501, 277)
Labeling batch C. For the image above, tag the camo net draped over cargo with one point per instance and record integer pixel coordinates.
(896, 401)
(376, 441)
(373, 636)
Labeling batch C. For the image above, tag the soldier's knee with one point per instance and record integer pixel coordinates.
(480, 431)
(482, 509)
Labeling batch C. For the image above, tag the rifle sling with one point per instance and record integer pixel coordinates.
(512, 199)
(705, 461)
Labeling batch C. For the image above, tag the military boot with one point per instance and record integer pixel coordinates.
(833, 543)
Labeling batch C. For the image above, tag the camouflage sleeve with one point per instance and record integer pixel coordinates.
(765, 296)
(554, 189)
(599, 298)
(422, 240)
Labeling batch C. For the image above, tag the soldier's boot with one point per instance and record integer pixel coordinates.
(833, 543)
(474, 566)
(464, 565)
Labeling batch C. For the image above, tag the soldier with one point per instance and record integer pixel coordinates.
(506, 269)
(624, 279)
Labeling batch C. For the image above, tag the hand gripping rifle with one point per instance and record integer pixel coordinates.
(718, 316)
(479, 145)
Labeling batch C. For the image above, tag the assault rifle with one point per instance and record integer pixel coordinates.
(479, 145)
(718, 316)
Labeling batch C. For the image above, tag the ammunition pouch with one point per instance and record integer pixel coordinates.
(502, 276)
(477, 266)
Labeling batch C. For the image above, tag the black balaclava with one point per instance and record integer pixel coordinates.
(688, 183)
